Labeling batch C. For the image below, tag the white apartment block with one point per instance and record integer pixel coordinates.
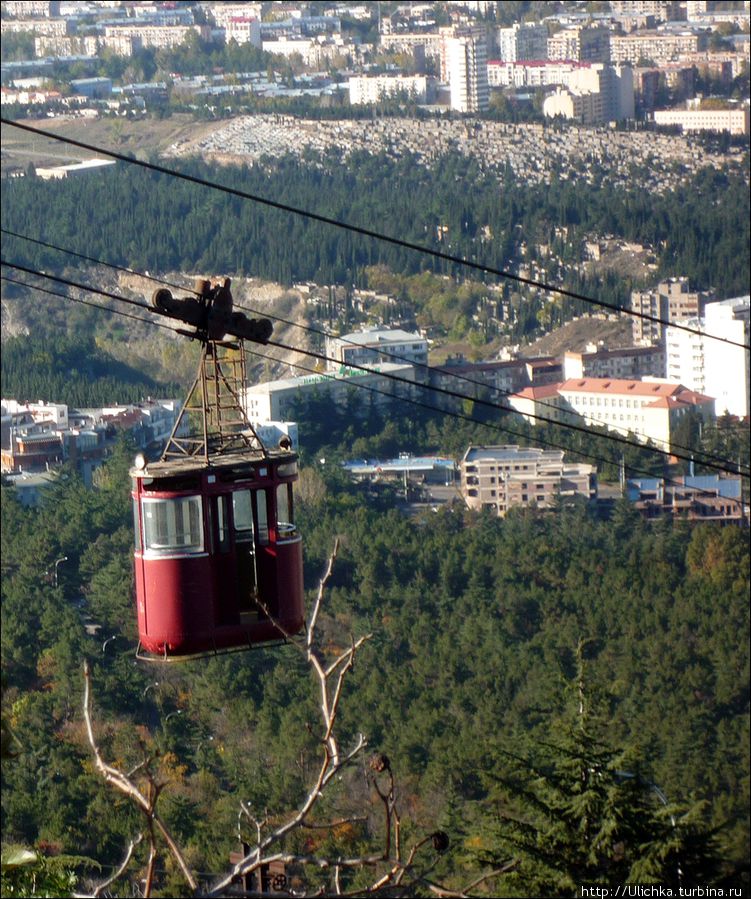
(32, 8)
(631, 363)
(50, 45)
(48, 27)
(714, 367)
(650, 410)
(599, 93)
(243, 30)
(467, 63)
(221, 13)
(364, 89)
(166, 36)
(499, 478)
(657, 46)
(531, 74)
(523, 42)
(276, 400)
(376, 346)
(733, 121)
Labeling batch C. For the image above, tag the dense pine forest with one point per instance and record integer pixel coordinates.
(155, 223)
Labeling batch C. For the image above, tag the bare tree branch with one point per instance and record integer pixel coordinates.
(119, 871)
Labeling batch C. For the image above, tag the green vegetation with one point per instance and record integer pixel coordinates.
(476, 624)
(701, 230)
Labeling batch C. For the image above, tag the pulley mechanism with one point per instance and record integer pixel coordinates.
(211, 313)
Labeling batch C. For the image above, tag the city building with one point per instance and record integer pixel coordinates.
(631, 363)
(160, 36)
(695, 498)
(582, 43)
(58, 172)
(33, 8)
(714, 367)
(593, 95)
(243, 30)
(364, 89)
(655, 47)
(375, 346)
(733, 120)
(499, 478)
(648, 409)
(671, 301)
(523, 42)
(467, 63)
(277, 400)
(539, 73)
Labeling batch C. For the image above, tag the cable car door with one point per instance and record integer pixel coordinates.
(245, 552)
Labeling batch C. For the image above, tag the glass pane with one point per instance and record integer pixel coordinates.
(242, 514)
(263, 518)
(283, 511)
(222, 523)
(173, 524)
(136, 525)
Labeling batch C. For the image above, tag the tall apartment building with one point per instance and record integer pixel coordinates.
(714, 367)
(670, 301)
(523, 42)
(243, 30)
(599, 93)
(583, 43)
(498, 478)
(662, 10)
(47, 8)
(467, 63)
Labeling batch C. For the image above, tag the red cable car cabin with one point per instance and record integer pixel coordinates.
(218, 560)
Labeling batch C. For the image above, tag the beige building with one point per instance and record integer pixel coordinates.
(156, 35)
(670, 301)
(600, 93)
(498, 478)
(584, 43)
(650, 410)
(733, 121)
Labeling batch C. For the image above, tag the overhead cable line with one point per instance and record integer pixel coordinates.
(448, 413)
(119, 268)
(497, 391)
(359, 229)
(392, 377)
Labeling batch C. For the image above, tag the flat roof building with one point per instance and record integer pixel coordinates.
(498, 478)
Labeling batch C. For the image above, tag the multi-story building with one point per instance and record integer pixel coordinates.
(468, 73)
(695, 498)
(656, 46)
(375, 346)
(50, 45)
(165, 36)
(523, 41)
(583, 43)
(243, 30)
(221, 13)
(499, 478)
(277, 400)
(593, 95)
(531, 74)
(631, 363)
(651, 410)
(365, 89)
(49, 27)
(46, 8)
(662, 10)
(670, 301)
(716, 367)
(731, 120)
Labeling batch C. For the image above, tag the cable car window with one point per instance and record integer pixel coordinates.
(222, 524)
(242, 514)
(284, 520)
(263, 517)
(173, 524)
(136, 525)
